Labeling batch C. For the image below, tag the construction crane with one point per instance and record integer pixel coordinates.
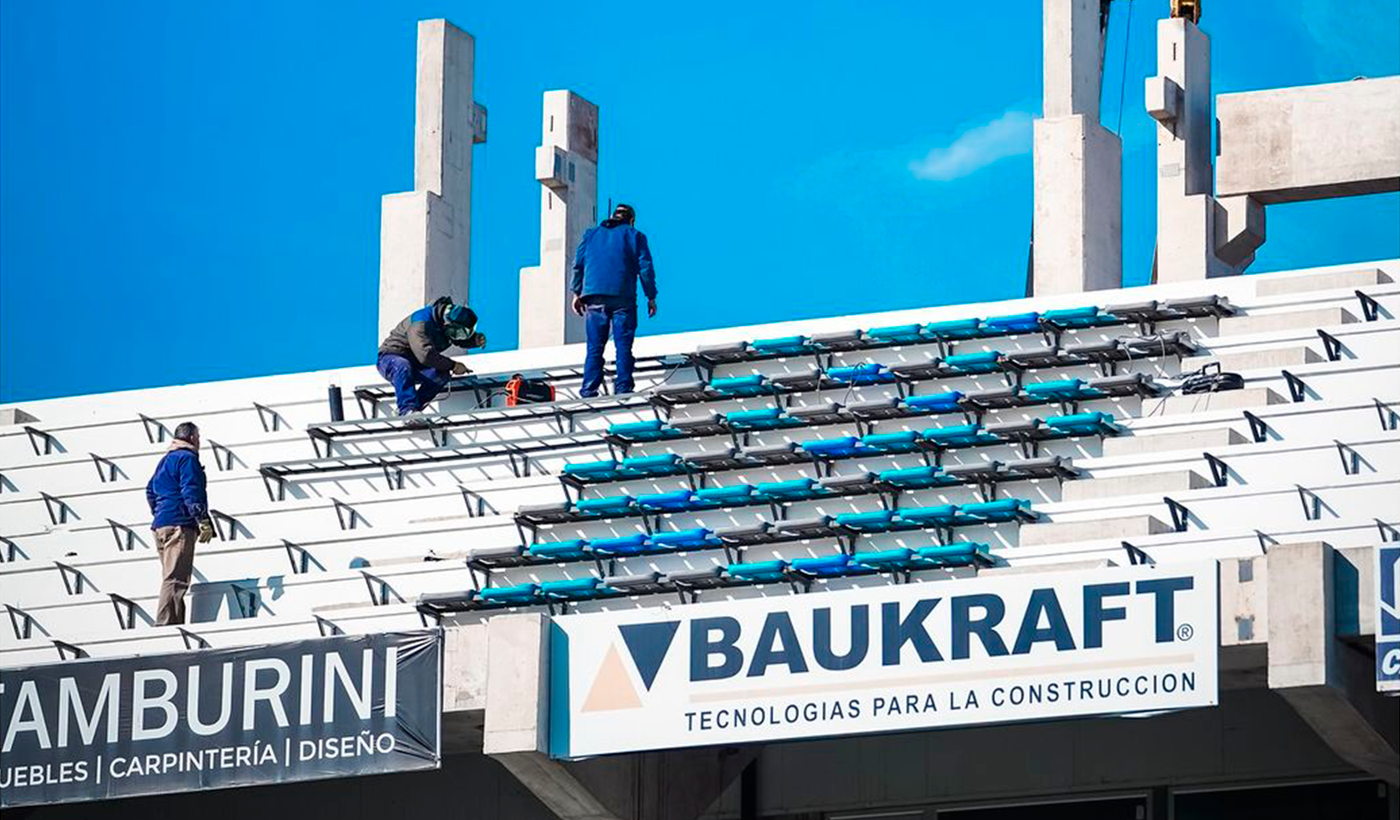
(1189, 9)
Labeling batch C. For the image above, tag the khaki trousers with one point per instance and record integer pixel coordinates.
(176, 548)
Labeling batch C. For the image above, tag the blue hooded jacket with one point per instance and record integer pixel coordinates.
(611, 259)
(176, 491)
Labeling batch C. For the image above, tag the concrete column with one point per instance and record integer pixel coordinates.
(1197, 236)
(1329, 682)
(1078, 219)
(425, 234)
(566, 165)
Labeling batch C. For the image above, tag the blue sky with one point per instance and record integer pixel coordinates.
(190, 191)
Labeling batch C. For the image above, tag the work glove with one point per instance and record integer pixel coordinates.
(206, 531)
(459, 369)
(651, 308)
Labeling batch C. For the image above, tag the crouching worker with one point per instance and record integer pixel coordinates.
(179, 518)
(411, 357)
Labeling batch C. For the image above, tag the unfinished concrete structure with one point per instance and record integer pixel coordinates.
(425, 234)
(1078, 163)
(566, 165)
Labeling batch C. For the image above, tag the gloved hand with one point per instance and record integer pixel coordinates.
(577, 305)
(651, 308)
(477, 340)
(206, 531)
(459, 369)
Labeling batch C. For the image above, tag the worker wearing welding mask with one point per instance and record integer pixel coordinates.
(412, 356)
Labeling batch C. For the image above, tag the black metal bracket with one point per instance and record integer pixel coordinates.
(327, 627)
(1180, 515)
(126, 536)
(1370, 308)
(438, 435)
(269, 481)
(155, 430)
(1265, 541)
(192, 641)
(1296, 387)
(1257, 427)
(1389, 534)
(68, 651)
(11, 550)
(106, 468)
(1331, 344)
(300, 558)
(248, 600)
(342, 510)
(1136, 555)
(1390, 420)
(393, 475)
(1218, 469)
(318, 439)
(1351, 460)
(1312, 504)
(380, 598)
(126, 611)
(520, 468)
(36, 435)
(477, 505)
(223, 517)
(73, 579)
(269, 418)
(223, 456)
(21, 622)
(58, 508)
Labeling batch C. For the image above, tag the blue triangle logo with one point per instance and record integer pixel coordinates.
(648, 645)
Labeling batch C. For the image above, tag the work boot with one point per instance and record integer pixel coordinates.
(415, 420)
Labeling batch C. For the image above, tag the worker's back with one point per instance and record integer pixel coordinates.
(611, 258)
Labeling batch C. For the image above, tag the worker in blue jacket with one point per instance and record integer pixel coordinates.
(412, 359)
(612, 259)
(179, 518)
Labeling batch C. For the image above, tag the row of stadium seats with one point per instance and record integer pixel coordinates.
(800, 571)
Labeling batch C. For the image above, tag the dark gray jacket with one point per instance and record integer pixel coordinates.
(420, 337)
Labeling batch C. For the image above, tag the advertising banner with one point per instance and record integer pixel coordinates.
(991, 649)
(1387, 620)
(216, 718)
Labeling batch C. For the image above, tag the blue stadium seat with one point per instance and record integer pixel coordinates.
(916, 478)
(938, 515)
(1078, 317)
(764, 418)
(796, 489)
(605, 470)
(653, 430)
(663, 464)
(873, 521)
(574, 589)
(964, 553)
(622, 545)
(505, 596)
(1062, 390)
(946, 402)
(782, 346)
(693, 538)
(959, 435)
(666, 502)
(954, 329)
(752, 385)
(758, 572)
(723, 496)
(610, 505)
(839, 447)
(1084, 424)
(999, 511)
(897, 334)
(904, 441)
(1015, 323)
(572, 550)
(869, 373)
(986, 361)
(827, 566)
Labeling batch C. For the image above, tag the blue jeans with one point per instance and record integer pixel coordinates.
(600, 315)
(414, 385)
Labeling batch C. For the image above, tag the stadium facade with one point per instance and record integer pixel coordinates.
(998, 560)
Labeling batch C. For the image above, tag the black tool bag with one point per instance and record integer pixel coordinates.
(1210, 379)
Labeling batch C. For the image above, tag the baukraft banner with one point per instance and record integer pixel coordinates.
(995, 648)
(1387, 620)
(216, 718)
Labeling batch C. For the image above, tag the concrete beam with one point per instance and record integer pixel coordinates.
(1310, 142)
(566, 166)
(1329, 683)
(1131, 526)
(1072, 57)
(1173, 481)
(1198, 440)
(425, 234)
(1078, 215)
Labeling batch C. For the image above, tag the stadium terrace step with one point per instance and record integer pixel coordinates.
(1199, 440)
(1285, 320)
(1131, 526)
(1092, 489)
(1205, 402)
(1266, 359)
(1332, 280)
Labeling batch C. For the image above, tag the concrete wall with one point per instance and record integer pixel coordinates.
(1310, 142)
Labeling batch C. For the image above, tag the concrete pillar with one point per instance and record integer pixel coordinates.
(1078, 218)
(1329, 682)
(1198, 237)
(675, 785)
(425, 234)
(566, 164)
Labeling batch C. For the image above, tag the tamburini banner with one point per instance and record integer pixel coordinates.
(216, 718)
(887, 658)
(1387, 620)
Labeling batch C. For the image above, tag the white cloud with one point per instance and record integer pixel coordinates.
(974, 149)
